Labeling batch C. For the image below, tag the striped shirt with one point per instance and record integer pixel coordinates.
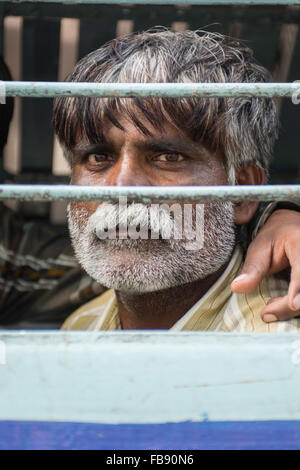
(218, 310)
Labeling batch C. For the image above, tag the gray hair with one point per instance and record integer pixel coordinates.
(244, 129)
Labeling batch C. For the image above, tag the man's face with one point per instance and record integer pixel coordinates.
(166, 158)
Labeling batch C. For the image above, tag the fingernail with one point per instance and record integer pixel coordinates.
(296, 302)
(269, 317)
(241, 277)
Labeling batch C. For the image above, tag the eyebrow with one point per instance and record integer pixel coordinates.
(173, 145)
(88, 146)
(154, 145)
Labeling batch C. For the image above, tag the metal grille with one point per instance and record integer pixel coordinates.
(66, 192)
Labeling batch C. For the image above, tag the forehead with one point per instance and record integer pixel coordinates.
(143, 131)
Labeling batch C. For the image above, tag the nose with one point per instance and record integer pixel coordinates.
(128, 172)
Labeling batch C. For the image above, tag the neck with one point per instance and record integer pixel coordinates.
(162, 309)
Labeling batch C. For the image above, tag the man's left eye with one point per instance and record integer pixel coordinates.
(170, 157)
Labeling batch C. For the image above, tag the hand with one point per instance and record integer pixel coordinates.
(276, 247)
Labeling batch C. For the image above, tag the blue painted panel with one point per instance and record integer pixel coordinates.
(268, 435)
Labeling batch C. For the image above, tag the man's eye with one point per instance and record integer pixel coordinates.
(170, 157)
(97, 158)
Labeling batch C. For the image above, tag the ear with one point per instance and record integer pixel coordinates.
(245, 210)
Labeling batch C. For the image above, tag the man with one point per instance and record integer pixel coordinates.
(41, 282)
(159, 283)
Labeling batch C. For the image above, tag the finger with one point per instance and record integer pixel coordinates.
(255, 268)
(294, 287)
(278, 309)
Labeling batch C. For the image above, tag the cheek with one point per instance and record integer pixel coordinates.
(83, 177)
(211, 174)
(79, 177)
(82, 209)
(218, 174)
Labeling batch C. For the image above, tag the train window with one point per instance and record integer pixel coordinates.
(170, 156)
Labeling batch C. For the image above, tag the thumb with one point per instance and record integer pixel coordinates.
(256, 267)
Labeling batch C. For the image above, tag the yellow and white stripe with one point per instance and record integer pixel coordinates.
(218, 310)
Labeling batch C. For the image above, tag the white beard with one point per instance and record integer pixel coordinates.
(139, 266)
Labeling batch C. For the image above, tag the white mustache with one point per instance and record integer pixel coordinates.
(156, 218)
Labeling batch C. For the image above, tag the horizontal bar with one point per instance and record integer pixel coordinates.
(251, 14)
(147, 90)
(150, 193)
(164, 377)
(171, 2)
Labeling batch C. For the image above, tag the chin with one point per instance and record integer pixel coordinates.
(142, 272)
(132, 274)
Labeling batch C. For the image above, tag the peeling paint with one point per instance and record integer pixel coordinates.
(148, 194)
(150, 90)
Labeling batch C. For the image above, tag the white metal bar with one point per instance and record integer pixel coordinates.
(148, 90)
(150, 193)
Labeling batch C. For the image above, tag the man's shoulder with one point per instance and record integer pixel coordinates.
(86, 316)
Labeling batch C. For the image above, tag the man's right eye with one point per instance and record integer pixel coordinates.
(95, 158)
